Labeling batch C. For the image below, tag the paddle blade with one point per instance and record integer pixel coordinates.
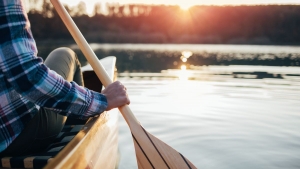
(154, 153)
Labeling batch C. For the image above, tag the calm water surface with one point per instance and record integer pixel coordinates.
(217, 121)
(220, 122)
(200, 48)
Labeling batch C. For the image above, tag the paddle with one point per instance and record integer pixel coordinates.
(150, 151)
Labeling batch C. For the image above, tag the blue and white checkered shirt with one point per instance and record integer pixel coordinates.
(26, 83)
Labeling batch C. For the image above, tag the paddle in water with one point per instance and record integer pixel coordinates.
(150, 151)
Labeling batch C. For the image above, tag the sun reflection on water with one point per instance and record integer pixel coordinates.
(183, 74)
(183, 67)
(186, 55)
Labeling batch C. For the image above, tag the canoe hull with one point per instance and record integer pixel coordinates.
(96, 144)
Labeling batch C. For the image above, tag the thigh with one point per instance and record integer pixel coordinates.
(64, 61)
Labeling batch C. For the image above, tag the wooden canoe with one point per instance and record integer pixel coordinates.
(81, 144)
(96, 145)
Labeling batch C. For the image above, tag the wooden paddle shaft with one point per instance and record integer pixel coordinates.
(90, 56)
(150, 151)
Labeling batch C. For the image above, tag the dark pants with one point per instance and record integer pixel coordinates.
(46, 125)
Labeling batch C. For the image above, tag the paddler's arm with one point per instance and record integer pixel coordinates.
(33, 80)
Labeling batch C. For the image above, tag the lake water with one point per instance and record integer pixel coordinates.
(157, 57)
(200, 48)
(219, 122)
(219, 117)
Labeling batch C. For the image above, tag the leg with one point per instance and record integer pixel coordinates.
(46, 124)
(69, 70)
(65, 62)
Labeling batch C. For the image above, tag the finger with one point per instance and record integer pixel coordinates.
(128, 102)
(119, 83)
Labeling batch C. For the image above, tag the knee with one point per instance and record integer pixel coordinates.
(63, 52)
(63, 61)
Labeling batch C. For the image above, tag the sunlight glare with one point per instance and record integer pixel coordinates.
(187, 54)
(89, 4)
(183, 59)
(183, 74)
(185, 6)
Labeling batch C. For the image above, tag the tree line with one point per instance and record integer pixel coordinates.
(263, 24)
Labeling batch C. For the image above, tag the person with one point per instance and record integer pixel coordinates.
(36, 97)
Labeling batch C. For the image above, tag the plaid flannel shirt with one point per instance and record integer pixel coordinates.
(26, 83)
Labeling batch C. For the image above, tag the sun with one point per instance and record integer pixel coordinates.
(185, 6)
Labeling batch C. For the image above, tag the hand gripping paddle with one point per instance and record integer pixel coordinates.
(150, 151)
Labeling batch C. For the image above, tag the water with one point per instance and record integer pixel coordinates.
(219, 123)
(200, 48)
(219, 117)
(157, 57)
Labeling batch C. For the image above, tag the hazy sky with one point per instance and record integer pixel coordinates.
(184, 3)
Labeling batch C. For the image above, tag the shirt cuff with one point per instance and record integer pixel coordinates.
(98, 104)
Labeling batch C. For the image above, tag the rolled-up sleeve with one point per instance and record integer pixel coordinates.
(27, 74)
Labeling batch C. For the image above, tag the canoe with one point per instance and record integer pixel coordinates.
(96, 145)
(93, 144)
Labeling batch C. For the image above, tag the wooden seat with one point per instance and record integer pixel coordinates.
(39, 160)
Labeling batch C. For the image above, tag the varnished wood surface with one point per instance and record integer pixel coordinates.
(154, 151)
(96, 145)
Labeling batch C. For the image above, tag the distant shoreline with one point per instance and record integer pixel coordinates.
(71, 42)
(257, 25)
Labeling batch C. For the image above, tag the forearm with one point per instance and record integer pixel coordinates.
(27, 74)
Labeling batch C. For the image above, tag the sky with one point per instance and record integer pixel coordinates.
(182, 3)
